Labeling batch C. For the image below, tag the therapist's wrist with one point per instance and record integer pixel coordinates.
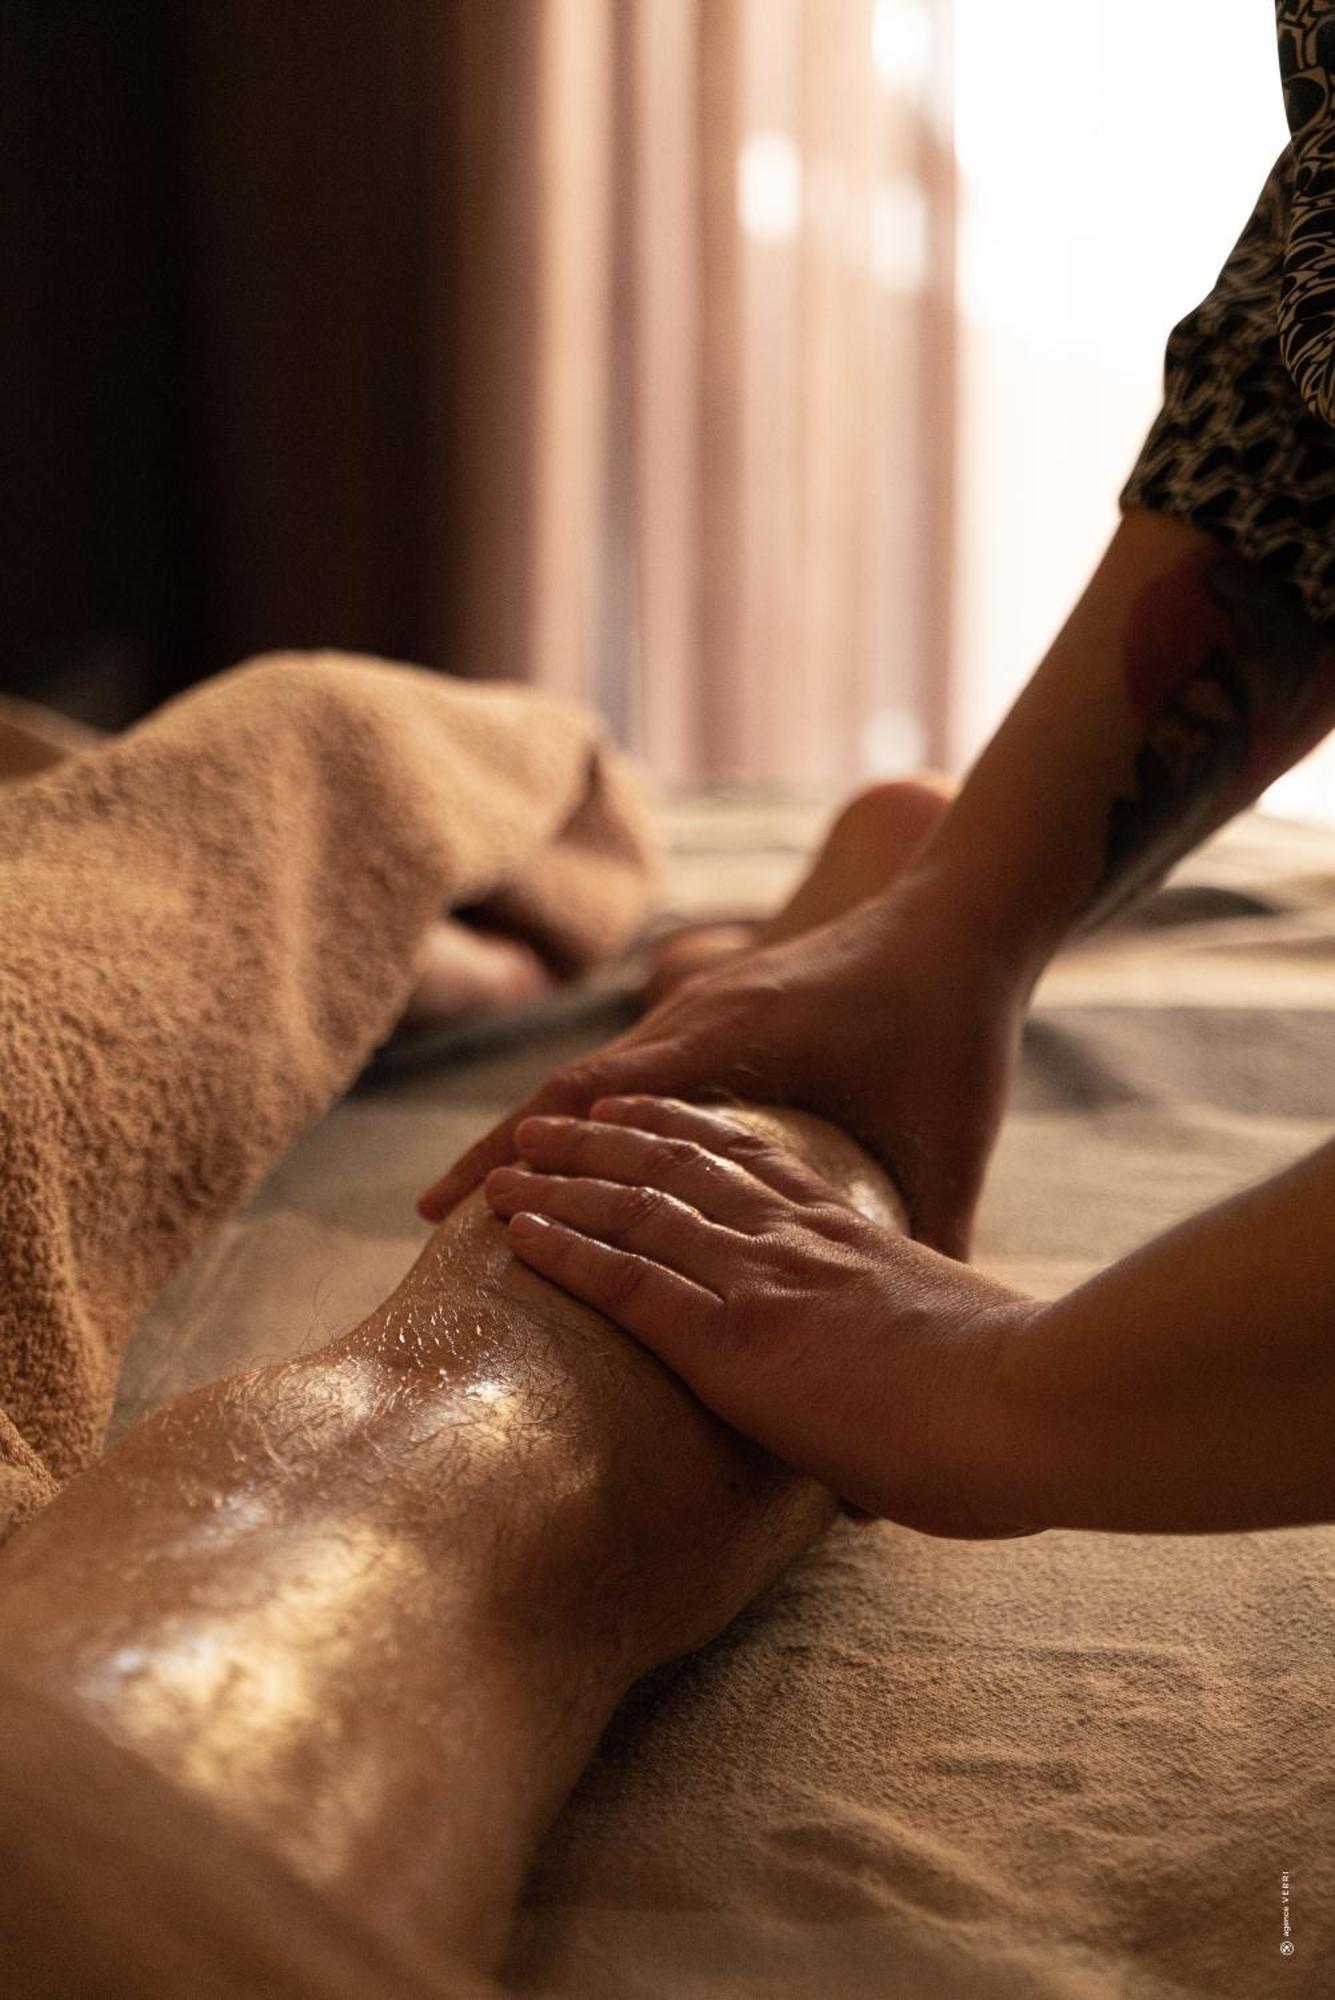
(1055, 1403)
(948, 918)
(988, 914)
(1011, 1474)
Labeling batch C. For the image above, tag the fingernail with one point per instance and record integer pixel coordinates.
(503, 1178)
(604, 1105)
(527, 1224)
(539, 1124)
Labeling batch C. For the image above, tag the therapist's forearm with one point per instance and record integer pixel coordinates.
(1190, 1387)
(1184, 681)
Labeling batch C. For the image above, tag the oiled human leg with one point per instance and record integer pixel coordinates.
(374, 1606)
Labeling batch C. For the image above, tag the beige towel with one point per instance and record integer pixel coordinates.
(205, 927)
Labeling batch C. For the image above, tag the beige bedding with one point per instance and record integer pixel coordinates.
(1069, 1766)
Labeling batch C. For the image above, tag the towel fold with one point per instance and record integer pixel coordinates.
(206, 925)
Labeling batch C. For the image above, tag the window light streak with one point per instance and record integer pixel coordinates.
(901, 43)
(769, 187)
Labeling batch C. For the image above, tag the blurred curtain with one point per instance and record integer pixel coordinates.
(604, 343)
(702, 383)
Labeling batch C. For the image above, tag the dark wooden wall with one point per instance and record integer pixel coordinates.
(251, 330)
(92, 546)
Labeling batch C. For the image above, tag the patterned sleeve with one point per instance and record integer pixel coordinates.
(1244, 446)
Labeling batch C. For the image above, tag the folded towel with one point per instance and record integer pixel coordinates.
(206, 925)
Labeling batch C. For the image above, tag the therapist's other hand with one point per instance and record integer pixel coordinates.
(889, 1021)
(851, 1353)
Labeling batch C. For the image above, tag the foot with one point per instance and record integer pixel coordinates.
(869, 844)
(462, 971)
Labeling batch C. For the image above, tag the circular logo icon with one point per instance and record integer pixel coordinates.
(1287, 1947)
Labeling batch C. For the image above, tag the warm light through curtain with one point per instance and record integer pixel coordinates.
(725, 507)
(1108, 156)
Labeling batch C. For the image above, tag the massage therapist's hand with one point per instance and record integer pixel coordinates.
(850, 1352)
(892, 1022)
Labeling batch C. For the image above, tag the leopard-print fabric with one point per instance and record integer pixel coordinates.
(1244, 446)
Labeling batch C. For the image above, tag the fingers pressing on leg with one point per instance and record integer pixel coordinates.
(659, 1306)
(710, 1128)
(719, 1188)
(643, 1220)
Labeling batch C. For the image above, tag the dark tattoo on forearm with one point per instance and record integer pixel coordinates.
(1232, 681)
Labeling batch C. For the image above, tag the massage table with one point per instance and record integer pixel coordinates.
(1073, 1767)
